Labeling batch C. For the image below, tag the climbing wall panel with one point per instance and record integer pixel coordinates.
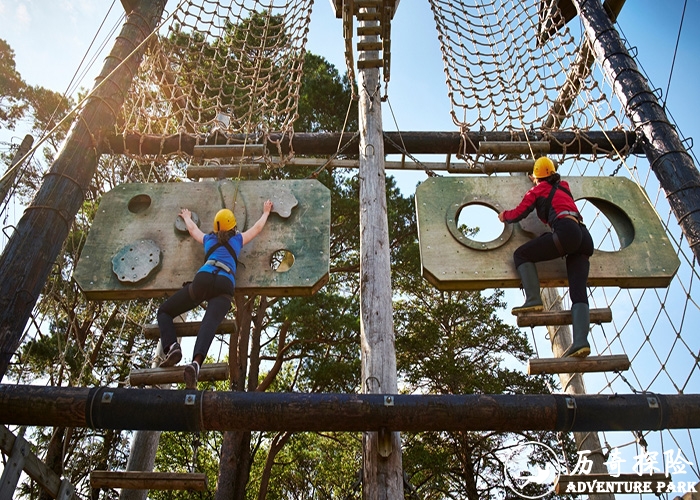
(138, 246)
(451, 260)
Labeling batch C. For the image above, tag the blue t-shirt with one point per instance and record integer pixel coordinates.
(222, 255)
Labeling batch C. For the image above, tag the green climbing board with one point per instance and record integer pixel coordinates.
(452, 260)
(138, 246)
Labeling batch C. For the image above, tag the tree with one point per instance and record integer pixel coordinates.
(12, 88)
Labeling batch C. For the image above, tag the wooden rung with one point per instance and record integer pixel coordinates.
(556, 318)
(513, 147)
(174, 374)
(369, 30)
(607, 483)
(229, 151)
(369, 16)
(367, 4)
(490, 166)
(613, 363)
(365, 46)
(190, 329)
(134, 480)
(212, 170)
(370, 63)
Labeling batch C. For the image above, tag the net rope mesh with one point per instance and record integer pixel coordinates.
(504, 75)
(232, 67)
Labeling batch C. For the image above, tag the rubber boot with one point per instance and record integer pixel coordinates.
(531, 285)
(580, 319)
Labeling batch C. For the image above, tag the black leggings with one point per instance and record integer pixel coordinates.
(577, 244)
(215, 288)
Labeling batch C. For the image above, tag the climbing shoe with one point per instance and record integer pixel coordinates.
(172, 357)
(191, 375)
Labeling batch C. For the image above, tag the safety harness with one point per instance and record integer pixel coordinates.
(548, 207)
(216, 263)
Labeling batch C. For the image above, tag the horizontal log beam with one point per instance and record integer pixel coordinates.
(572, 143)
(175, 374)
(135, 480)
(557, 318)
(614, 363)
(190, 329)
(192, 411)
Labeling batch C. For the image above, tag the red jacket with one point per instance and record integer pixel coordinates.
(536, 198)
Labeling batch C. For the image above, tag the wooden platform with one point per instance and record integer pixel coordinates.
(623, 483)
(556, 318)
(190, 329)
(175, 374)
(617, 362)
(134, 480)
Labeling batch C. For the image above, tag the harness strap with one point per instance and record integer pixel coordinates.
(220, 265)
(228, 247)
(551, 197)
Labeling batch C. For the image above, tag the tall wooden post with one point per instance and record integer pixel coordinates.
(572, 383)
(667, 155)
(382, 465)
(32, 250)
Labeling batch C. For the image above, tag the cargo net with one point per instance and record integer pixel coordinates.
(232, 68)
(517, 66)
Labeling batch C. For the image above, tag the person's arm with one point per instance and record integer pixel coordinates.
(258, 226)
(192, 228)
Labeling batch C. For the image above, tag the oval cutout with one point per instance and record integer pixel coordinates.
(282, 261)
(139, 203)
(609, 225)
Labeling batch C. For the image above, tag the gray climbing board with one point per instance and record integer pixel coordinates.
(452, 261)
(137, 247)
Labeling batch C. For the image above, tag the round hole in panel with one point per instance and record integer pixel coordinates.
(139, 203)
(282, 261)
(475, 224)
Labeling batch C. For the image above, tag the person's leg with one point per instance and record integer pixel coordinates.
(217, 308)
(219, 294)
(577, 268)
(175, 305)
(536, 250)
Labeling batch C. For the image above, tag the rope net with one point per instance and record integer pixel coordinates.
(517, 66)
(221, 67)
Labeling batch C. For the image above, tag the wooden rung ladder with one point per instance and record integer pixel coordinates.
(590, 364)
(658, 482)
(175, 374)
(136, 480)
(228, 151)
(513, 147)
(190, 329)
(556, 318)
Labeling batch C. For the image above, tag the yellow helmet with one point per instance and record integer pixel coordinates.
(224, 220)
(544, 167)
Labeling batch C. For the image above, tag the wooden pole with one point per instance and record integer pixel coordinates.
(32, 250)
(382, 465)
(192, 411)
(667, 155)
(572, 383)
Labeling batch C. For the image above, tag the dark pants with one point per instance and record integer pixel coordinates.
(215, 288)
(577, 245)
